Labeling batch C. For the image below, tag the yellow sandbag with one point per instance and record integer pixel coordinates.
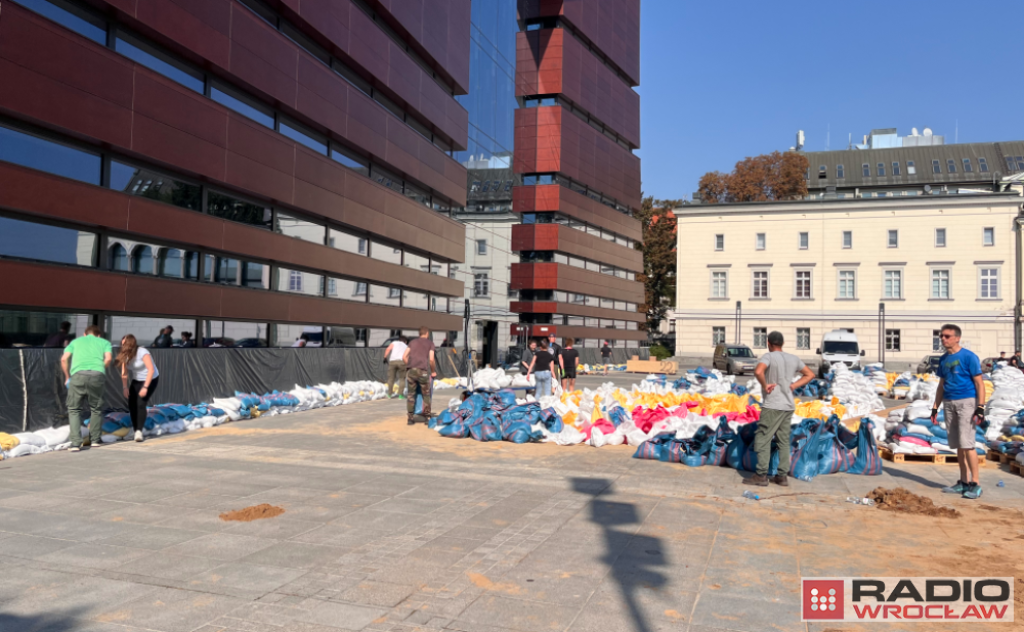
(121, 432)
(7, 442)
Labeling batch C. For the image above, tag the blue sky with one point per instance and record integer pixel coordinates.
(727, 79)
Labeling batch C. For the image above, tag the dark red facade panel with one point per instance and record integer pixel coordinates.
(552, 198)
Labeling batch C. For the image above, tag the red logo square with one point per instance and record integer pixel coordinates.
(822, 599)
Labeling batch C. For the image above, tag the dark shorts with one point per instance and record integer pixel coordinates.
(569, 373)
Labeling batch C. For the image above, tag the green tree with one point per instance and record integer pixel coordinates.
(658, 224)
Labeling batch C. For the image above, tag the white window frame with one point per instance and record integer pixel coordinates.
(986, 232)
(481, 247)
(807, 343)
(940, 243)
(885, 272)
(719, 242)
(761, 241)
(796, 284)
(839, 284)
(764, 332)
(931, 283)
(847, 233)
(481, 284)
(768, 284)
(888, 238)
(998, 277)
(893, 340)
(937, 341)
(714, 336)
(725, 289)
(803, 240)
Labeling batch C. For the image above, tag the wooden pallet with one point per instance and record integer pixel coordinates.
(994, 455)
(1016, 468)
(936, 459)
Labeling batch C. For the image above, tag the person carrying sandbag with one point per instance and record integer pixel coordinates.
(89, 358)
(140, 377)
(394, 355)
(775, 370)
(422, 367)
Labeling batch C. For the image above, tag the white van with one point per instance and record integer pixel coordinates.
(838, 345)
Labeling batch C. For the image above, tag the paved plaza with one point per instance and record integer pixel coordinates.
(389, 528)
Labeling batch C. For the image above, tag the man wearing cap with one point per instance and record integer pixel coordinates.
(775, 371)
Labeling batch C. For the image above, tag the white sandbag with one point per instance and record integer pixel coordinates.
(55, 436)
(26, 449)
(109, 438)
(31, 438)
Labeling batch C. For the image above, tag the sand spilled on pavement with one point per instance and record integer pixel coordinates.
(256, 512)
(901, 500)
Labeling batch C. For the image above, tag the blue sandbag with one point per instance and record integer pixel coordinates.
(517, 432)
(455, 431)
(617, 415)
(749, 459)
(648, 450)
(867, 462)
(507, 397)
(486, 431)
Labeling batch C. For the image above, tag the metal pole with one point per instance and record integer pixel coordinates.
(881, 334)
(469, 357)
(739, 321)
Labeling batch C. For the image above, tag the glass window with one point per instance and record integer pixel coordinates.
(385, 178)
(881, 169)
(760, 288)
(244, 105)
(911, 169)
(338, 336)
(417, 194)
(804, 241)
(760, 241)
(416, 262)
(989, 282)
(383, 252)
(303, 136)
(226, 271)
(760, 337)
(299, 282)
(951, 165)
(343, 289)
(255, 275)
(227, 207)
(382, 295)
(847, 239)
(719, 242)
(717, 336)
(988, 236)
(481, 246)
(219, 333)
(69, 16)
(146, 330)
(346, 241)
(936, 167)
(866, 169)
(940, 284)
(982, 165)
(170, 263)
(191, 263)
(439, 268)
(415, 300)
(968, 167)
(350, 159)
(803, 338)
(155, 186)
(847, 284)
(34, 152)
(298, 336)
(40, 329)
(940, 237)
(299, 228)
(142, 260)
(893, 284)
(43, 242)
(894, 238)
(895, 168)
(892, 339)
(802, 280)
(159, 62)
(719, 284)
(840, 174)
(937, 340)
(481, 284)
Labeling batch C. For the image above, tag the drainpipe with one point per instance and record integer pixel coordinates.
(1019, 229)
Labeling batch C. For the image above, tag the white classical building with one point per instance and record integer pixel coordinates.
(808, 267)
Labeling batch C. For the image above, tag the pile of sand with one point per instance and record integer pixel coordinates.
(901, 500)
(257, 512)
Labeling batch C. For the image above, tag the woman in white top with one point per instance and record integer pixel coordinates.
(393, 355)
(140, 377)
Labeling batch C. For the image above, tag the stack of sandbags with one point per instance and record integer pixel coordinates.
(855, 391)
(923, 387)
(1006, 400)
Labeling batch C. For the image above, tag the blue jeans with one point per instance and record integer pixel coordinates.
(543, 383)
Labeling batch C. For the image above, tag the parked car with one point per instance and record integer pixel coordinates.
(734, 359)
(838, 346)
(930, 363)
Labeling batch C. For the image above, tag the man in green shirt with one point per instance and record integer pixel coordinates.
(90, 356)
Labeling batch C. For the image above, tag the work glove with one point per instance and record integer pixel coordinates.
(979, 416)
(935, 416)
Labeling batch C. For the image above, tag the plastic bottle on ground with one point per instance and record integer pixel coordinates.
(751, 495)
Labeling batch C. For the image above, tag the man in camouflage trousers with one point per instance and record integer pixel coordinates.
(422, 367)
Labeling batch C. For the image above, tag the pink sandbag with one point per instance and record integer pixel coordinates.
(915, 441)
(645, 418)
(604, 426)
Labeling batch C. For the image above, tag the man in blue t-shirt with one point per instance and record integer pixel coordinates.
(961, 393)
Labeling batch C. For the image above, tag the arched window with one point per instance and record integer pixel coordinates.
(118, 259)
(142, 260)
(170, 263)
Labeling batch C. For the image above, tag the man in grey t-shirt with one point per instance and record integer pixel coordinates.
(775, 370)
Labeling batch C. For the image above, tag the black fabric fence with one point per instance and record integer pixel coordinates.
(591, 355)
(34, 398)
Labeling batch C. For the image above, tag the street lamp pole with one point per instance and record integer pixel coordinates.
(881, 334)
(739, 320)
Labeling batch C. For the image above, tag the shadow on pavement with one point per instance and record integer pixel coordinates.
(633, 558)
(920, 480)
(53, 622)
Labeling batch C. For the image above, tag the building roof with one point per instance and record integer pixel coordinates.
(847, 204)
(995, 155)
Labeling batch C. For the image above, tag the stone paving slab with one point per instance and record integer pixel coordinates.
(389, 528)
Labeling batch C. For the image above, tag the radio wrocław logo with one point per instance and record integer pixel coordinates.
(891, 599)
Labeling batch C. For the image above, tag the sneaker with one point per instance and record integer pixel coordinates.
(760, 480)
(782, 480)
(959, 488)
(401, 397)
(972, 491)
(75, 448)
(138, 436)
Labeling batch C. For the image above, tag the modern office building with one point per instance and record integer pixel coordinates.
(255, 171)
(892, 270)
(888, 165)
(577, 62)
